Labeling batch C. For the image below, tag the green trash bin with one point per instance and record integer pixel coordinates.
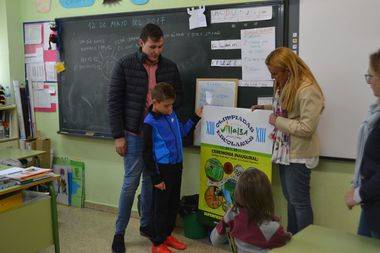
(192, 228)
(188, 210)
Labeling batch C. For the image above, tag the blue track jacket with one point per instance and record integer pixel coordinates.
(163, 141)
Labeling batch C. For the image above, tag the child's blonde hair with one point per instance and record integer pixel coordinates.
(253, 192)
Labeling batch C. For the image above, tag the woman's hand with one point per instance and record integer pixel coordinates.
(349, 198)
(272, 119)
(257, 107)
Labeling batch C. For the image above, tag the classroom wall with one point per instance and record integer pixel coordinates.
(4, 54)
(104, 169)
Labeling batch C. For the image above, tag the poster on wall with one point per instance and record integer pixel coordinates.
(76, 3)
(232, 140)
(214, 91)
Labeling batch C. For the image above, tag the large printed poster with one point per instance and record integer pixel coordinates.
(232, 140)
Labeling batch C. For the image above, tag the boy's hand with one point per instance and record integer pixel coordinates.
(255, 107)
(199, 112)
(160, 186)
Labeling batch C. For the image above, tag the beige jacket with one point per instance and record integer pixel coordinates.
(302, 123)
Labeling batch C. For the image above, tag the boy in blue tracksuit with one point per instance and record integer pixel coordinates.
(162, 154)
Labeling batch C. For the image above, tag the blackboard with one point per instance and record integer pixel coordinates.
(90, 45)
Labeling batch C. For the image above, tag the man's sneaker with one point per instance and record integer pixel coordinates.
(118, 245)
(146, 232)
(171, 241)
(161, 249)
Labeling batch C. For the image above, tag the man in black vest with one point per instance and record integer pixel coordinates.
(129, 98)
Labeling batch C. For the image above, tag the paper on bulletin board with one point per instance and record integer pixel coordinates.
(256, 44)
(241, 14)
(34, 57)
(35, 71)
(217, 92)
(44, 95)
(233, 140)
(51, 73)
(33, 34)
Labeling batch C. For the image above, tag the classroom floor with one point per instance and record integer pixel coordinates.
(88, 230)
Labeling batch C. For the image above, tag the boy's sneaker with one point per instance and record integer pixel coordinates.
(171, 241)
(161, 249)
(118, 245)
(146, 232)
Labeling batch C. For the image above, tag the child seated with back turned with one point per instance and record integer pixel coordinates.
(250, 221)
(162, 154)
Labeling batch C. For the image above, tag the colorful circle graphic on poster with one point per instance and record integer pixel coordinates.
(214, 170)
(228, 168)
(212, 197)
(238, 170)
(228, 189)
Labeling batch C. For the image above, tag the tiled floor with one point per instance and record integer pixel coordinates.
(88, 230)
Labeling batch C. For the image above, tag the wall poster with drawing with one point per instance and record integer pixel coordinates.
(216, 92)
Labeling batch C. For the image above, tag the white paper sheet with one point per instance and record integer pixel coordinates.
(41, 96)
(35, 71)
(213, 92)
(226, 63)
(9, 171)
(259, 83)
(241, 14)
(197, 17)
(38, 56)
(256, 44)
(33, 34)
(51, 73)
(225, 44)
(264, 100)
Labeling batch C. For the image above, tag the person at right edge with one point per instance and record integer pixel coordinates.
(297, 105)
(365, 190)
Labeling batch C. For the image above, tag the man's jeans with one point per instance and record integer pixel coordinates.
(295, 182)
(133, 167)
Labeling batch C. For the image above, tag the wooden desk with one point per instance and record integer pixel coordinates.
(316, 239)
(30, 222)
(15, 153)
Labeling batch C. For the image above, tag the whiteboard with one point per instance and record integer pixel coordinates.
(336, 39)
(217, 92)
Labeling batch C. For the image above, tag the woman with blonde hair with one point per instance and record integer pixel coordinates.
(297, 105)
